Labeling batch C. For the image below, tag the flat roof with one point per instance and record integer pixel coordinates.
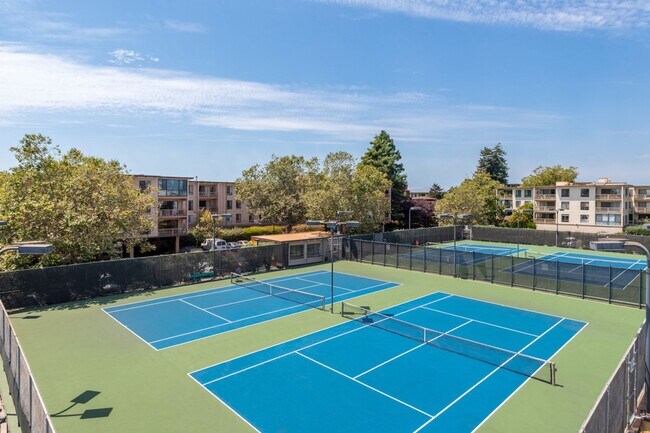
(291, 237)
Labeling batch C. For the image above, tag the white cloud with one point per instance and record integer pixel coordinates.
(126, 57)
(184, 27)
(562, 15)
(34, 84)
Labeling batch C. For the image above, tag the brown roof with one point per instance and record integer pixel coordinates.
(291, 237)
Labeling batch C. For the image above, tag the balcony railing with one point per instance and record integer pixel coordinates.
(608, 209)
(172, 232)
(642, 197)
(208, 194)
(172, 212)
(608, 196)
(544, 196)
(544, 220)
(545, 208)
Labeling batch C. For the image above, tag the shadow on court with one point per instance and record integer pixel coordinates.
(84, 398)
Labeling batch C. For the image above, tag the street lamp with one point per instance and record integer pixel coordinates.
(333, 225)
(455, 217)
(528, 211)
(608, 244)
(416, 208)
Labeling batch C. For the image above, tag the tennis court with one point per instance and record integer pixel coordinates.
(569, 267)
(442, 362)
(463, 253)
(175, 320)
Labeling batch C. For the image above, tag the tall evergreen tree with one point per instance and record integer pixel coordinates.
(493, 162)
(436, 191)
(383, 155)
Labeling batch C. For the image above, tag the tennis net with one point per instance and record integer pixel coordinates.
(297, 296)
(516, 362)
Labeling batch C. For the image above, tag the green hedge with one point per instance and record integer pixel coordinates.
(637, 230)
(245, 233)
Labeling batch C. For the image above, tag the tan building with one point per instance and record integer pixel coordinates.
(181, 200)
(600, 206)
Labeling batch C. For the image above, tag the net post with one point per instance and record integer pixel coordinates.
(342, 309)
(473, 264)
(492, 274)
(440, 261)
(385, 248)
(553, 369)
(609, 290)
(583, 281)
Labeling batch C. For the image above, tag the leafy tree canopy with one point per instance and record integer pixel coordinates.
(522, 219)
(476, 196)
(81, 204)
(493, 162)
(383, 155)
(543, 176)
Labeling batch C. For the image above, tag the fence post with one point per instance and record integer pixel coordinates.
(557, 277)
(440, 261)
(397, 255)
(410, 257)
(583, 281)
(492, 274)
(534, 272)
(640, 288)
(385, 248)
(512, 271)
(473, 264)
(425, 259)
(609, 290)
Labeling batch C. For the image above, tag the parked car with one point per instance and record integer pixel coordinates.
(244, 243)
(233, 245)
(220, 244)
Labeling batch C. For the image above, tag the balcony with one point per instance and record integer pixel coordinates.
(173, 213)
(544, 196)
(207, 194)
(171, 232)
(616, 210)
(608, 197)
(545, 208)
(642, 197)
(544, 220)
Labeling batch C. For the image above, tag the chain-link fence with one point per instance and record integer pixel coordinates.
(544, 237)
(618, 402)
(620, 286)
(57, 284)
(30, 409)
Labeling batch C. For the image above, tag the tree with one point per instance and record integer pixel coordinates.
(436, 191)
(81, 204)
(546, 176)
(474, 196)
(277, 191)
(202, 229)
(522, 219)
(383, 155)
(342, 184)
(493, 162)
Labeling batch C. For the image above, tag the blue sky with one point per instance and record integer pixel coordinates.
(199, 88)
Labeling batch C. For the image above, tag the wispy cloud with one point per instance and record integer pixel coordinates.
(184, 27)
(127, 57)
(562, 15)
(33, 84)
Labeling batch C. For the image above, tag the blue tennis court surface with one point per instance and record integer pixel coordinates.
(357, 377)
(174, 320)
(598, 270)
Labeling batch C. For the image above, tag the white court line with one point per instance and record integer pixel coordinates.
(302, 348)
(481, 322)
(622, 272)
(486, 377)
(526, 381)
(205, 311)
(132, 331)
(412, 349)
(225, 404)
(364, 384)
(316, 283)
(199, 293)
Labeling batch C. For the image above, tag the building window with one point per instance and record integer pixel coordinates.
(584, 205)
(238, 218)
(518, 203)
(237, 204)
(190, 219)
(172, 187)
(564, 205)
(584, 219)
(565, 192)
(584, 192)
(228, 204)
(608, 220)
(144, 184)
(518, 193)
(565, 218)
(251, 217)
(228, 189)
(190, 205)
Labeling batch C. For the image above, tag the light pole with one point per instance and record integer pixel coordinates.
(416, 208)
(333, 225)
(557, 227)
(455, 217)
(528, 211)
(619, 245)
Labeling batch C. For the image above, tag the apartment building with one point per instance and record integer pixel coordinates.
(600, 206)
(181, 200)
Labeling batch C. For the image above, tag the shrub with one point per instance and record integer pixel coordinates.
(637, 230)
